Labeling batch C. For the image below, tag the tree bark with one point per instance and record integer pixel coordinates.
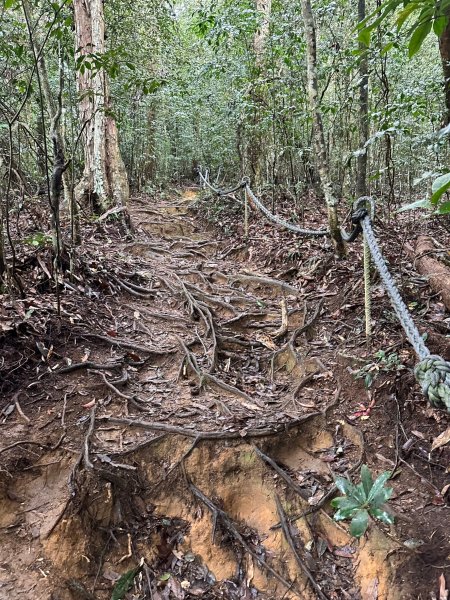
(361, 176)
(428, 265)
(444, 49)
(254, 149)
(104, 180)
(319, 136)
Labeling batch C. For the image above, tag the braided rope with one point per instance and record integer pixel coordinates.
(367, 300)
(281, 222)
(218, 191)
(432, 372)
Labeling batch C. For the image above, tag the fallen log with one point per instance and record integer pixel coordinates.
(427, 264)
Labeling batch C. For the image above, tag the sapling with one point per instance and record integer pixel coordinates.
(360, 501)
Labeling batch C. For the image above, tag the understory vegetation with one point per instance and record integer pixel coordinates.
(196, 356)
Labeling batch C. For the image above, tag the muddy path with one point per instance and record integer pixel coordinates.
(192, 428)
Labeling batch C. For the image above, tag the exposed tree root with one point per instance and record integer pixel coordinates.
(218, 513)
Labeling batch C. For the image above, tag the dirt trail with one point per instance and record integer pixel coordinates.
(216, 361)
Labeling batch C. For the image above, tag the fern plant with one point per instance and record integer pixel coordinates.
(364, 500)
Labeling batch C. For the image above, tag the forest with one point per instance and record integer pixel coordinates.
(225, 299)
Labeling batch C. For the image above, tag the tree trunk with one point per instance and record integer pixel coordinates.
(426, 262)
(104, 180)
(319, 137)
(444, 49)
(361, 176)
(254, 153)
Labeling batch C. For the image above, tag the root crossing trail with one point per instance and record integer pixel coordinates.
(188, 437)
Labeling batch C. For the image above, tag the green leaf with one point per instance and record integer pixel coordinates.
(420, 33)
(386, 48)
(366, 479)
(439, 25)
(440, 185)
(382, 515)
(344, 502)
(345, 486)
(444, 208)
(378, 484)
(124, 583)
(345, 513)
(383, 496)
(9, 3)
(405, 13)
(165, 577)
(364, 36)
(424, 203)
(359, 523)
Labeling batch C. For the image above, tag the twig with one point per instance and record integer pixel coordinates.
(19, 408)
(90, 431)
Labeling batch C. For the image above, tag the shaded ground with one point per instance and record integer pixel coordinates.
(144, 422)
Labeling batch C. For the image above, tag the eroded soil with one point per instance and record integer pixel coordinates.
(175, 423)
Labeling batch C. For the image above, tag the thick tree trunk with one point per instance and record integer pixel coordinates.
(444, 49)
(319, 137)
(104, 179)
(361, 176)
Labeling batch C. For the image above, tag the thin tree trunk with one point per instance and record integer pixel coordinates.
(444, 49)
(319, 136)
(254, 148)
(361, 176)
(104, 180)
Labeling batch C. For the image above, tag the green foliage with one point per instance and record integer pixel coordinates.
(124, 583)
(361, 501)
(38, 239)
(386, 363)
(428, 14)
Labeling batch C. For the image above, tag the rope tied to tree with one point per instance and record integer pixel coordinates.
(432, 372)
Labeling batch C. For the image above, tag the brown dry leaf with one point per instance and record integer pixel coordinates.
(266, 341)
(441, 440)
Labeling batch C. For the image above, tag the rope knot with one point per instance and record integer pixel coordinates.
(358, 215)
(433, 375)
